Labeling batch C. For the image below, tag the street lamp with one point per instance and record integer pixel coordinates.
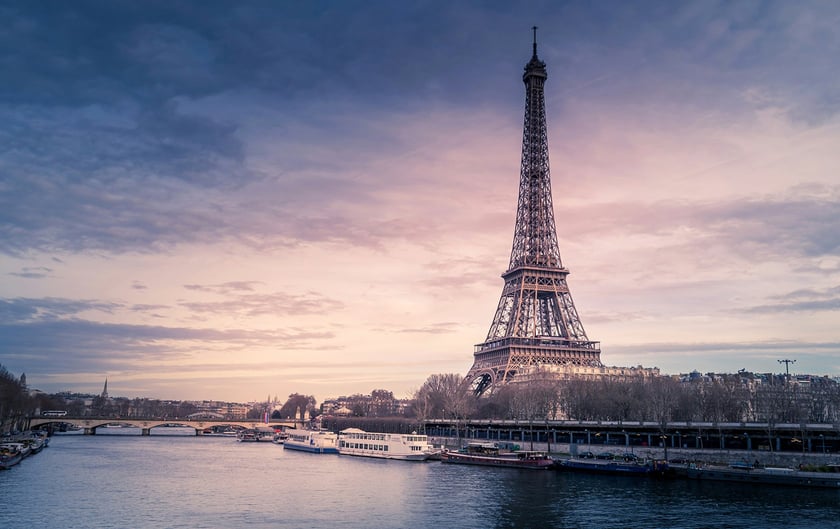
(548, 436)
(787, 362)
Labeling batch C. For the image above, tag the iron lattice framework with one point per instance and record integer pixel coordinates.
(536, 323)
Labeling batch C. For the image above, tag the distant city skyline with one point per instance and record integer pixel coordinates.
(232, 201)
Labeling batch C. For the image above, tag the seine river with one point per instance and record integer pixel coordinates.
(168, 481)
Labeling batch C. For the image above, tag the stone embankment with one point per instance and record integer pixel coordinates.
(721, 457)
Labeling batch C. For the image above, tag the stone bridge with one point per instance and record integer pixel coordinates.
(90, 424)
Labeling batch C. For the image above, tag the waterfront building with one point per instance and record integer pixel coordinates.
(380, 403)
(229, 410)
(575, 372)
(770, 397)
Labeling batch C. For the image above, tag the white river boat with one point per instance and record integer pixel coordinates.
(409, 447)
(316, 441)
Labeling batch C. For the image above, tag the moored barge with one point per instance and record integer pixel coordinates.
(615, 467)
(762, 475)
(489, 454)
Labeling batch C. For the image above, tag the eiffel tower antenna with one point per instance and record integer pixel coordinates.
(535, 40)
(536, 323)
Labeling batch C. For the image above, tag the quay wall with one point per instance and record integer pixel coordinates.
(706, 456)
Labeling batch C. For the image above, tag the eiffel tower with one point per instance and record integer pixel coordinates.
(536, 324)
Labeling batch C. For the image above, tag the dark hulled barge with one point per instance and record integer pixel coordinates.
(624, 467)
(745, 473)
(489, 454)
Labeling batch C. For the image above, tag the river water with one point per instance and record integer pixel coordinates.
(175, 481)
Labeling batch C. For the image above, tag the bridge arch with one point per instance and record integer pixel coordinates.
(90, 424)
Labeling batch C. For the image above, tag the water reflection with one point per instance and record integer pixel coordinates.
(166, 481)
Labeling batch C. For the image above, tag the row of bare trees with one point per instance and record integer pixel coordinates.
(136, 407)
(661, 399)
(14, 400)
(17, 404)
(446, 396)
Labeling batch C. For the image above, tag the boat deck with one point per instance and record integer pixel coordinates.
(761, 476)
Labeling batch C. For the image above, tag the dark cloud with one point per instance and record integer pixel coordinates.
(27, 310)
(801, 306)
(33, 272)
(88, 52)
(691, 54)
(240, 299)
(50, 333)
(277, 303)
(118, 136)
(809, 294)
(226, 288)
(146, 308)
(809, 227)
(79, 346)
(805, 300)
(755, 228)
(91, 217)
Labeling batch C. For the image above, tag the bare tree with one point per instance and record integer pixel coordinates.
(381, 403)
(446, 396)
(662, 399)
(297, 405)
(724, 400)
(14, 400)
(535, 400)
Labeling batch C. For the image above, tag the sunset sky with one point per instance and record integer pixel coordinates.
(229, 200)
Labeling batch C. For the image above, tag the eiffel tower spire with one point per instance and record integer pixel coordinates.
(536, 323)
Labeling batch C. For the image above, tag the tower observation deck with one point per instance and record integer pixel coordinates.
(536, 324)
